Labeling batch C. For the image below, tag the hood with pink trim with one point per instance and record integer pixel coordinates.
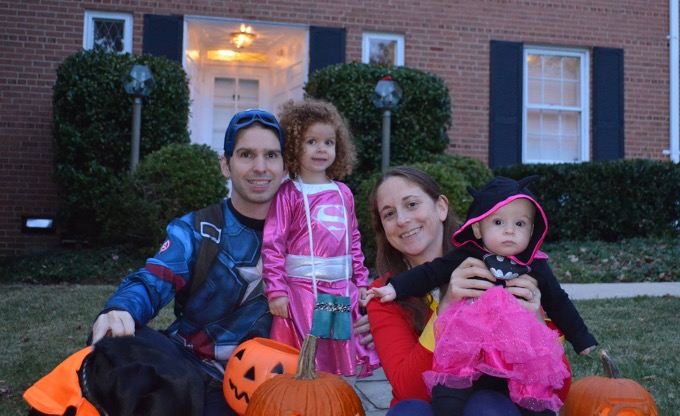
(494, 194)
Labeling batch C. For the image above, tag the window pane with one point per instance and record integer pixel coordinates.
(552, 67)
(552, 135)
(571, 68)
(109, 35)
(534, 92)
(382, 51)
(552, 92)
(570, 123)
(534, 66)
(571, 93)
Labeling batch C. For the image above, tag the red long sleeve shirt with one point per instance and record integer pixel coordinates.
(403, 358)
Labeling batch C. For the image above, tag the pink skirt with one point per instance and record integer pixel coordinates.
(495, 335)
(332, 356)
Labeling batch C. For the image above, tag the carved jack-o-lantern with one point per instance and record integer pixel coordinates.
(612, 395)
(252, 363)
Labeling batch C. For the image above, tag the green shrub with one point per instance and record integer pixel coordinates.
(608, 200)
(451, 173)
(167, 184)
(418, 124)
(92, 123)
(472, 172)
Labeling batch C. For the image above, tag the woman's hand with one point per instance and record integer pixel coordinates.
(525, 289)
(462, 285)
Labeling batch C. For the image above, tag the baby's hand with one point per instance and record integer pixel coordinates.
(385, 293)
(279, 306)
(588, 350)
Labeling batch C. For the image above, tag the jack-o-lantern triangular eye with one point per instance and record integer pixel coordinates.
(278, 369)
(252, 363)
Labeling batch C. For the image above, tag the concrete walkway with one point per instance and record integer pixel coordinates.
(376, 393)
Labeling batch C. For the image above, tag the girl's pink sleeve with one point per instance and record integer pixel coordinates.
(274, 246)
(402, 357)
(360, 272)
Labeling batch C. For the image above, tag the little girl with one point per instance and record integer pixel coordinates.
(313, 265)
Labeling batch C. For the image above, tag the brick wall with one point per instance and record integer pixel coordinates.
(445, 37)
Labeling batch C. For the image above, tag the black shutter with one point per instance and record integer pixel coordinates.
(163, 36)
(326, 47)
(505, 104)
(608, 104)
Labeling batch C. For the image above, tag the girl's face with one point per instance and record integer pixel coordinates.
(413, 222)
(508, 230)
(319, 152)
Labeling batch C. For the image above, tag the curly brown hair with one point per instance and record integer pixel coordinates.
(296, 117)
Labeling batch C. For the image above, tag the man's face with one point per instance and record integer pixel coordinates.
(256, 171)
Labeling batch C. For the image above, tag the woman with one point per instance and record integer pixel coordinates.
(413, 225)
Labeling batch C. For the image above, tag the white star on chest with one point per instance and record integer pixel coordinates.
(252, 275)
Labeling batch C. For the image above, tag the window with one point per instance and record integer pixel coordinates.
(109, 31)
(555, 106)
(383, 48)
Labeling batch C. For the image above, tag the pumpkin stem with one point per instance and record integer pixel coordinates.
(611, 370)
(306, 368)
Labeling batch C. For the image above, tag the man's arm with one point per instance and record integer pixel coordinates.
(142, 294)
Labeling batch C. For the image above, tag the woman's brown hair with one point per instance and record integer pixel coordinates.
(391, 262)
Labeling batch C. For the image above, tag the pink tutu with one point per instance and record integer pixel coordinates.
(495, 335)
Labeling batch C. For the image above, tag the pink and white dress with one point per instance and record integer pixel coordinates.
(338, 268)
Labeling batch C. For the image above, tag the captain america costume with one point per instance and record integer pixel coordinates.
(227, 309)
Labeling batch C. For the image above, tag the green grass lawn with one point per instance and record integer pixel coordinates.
(42, 325)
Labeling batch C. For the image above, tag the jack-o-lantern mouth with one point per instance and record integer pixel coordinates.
(238, 395)
(251, 364)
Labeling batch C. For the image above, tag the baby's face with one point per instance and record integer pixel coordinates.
(508, 230)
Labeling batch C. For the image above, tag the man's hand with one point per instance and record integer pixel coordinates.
(114, 323)
(279, 307)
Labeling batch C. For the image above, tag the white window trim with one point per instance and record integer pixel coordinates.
(366, 42)
(88, 28)
(584, 129)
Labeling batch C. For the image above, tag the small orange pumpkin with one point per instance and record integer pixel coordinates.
(608, 396)
(251, 364)
(307, 393)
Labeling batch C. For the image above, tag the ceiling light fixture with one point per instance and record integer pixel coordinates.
(244, 38)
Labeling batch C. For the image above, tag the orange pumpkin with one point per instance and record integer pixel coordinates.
(251, 364)
(608, 396)
(307, 393)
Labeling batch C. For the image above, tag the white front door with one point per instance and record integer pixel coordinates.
(224, 92)
(231, 95)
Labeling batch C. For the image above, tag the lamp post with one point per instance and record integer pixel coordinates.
(139, 83)
(385, 97)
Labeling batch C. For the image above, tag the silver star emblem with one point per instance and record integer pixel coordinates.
(252, 275)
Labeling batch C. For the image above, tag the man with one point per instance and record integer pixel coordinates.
(229, 306)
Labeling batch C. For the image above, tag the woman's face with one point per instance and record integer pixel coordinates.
(413, 222)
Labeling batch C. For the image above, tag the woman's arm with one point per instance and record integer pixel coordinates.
(469, 280)
(401, 355)
(525, 289)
